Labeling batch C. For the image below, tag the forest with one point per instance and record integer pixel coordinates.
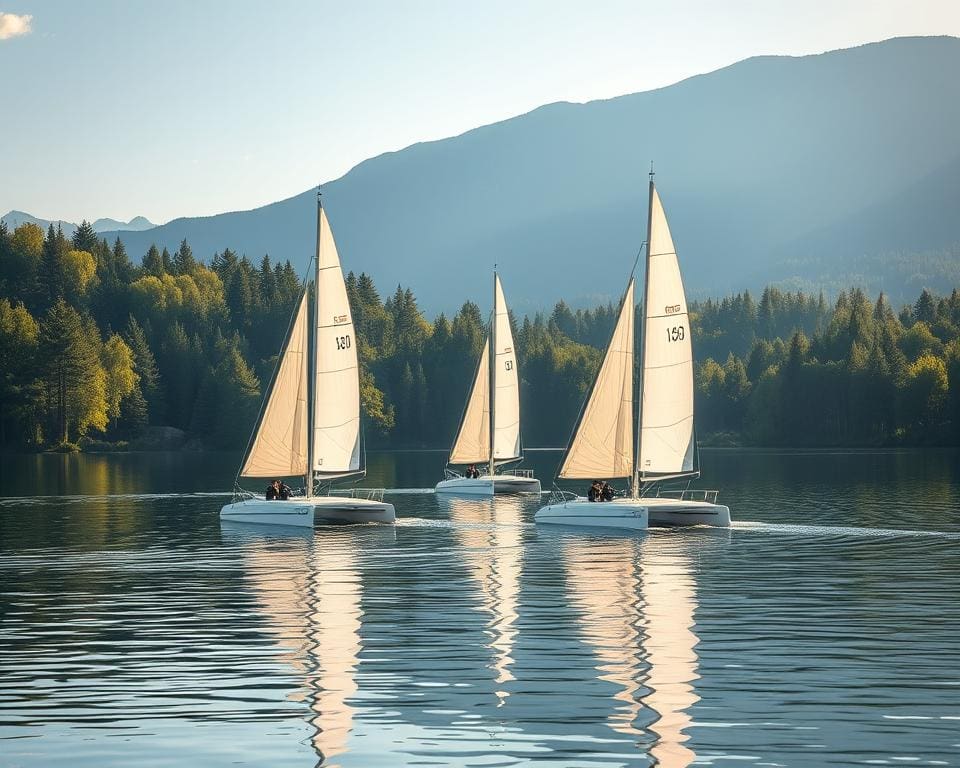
(99, 353)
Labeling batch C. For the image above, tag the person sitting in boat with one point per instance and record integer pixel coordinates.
(472, 472)
(606, 492)
(283, 492)
(594, 493)
(273, 491)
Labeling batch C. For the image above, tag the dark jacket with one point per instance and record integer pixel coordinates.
(271, 493)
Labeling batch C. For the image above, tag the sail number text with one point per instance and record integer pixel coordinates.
(675, 334)
(343, 342)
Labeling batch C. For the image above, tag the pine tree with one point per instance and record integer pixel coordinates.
(50, 271)
(153, 263)
(183, 261)
(70, 367)
(85, 238)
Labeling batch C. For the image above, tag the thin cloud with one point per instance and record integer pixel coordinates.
(12, 25)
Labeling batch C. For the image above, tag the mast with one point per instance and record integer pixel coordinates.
(312, 356)
(635, 481)
(492, 357)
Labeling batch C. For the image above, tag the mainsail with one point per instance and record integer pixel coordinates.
(336, 395)
(666, 415)
(279, 445)
(472, 445)
(506, 404)
(602, 446)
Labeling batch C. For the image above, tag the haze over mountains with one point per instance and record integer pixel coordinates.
(806, 171)
(14, 219)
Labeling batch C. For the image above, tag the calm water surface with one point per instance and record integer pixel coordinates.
(823, 629)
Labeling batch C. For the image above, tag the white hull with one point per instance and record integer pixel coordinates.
(304, 513)
(675, 512)
(628, 514)
(482, 486)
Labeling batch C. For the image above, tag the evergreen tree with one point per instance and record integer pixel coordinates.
(75, 382)
(183, 261)
(85, 238)
(153, 263)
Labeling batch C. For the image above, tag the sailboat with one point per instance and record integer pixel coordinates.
(309, 424)
(494, 400)
(602, 446)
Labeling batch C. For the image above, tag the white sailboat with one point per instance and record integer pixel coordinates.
(602, 446)
(310, 422)
(494, 400)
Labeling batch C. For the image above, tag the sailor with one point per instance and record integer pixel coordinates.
(284, 492)
(594, 493)
(606, 492)
(273, 490)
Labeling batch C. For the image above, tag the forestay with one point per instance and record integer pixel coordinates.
(336, 403)
(602, 446)
(279, 446)
(666, 438)
(506, 404)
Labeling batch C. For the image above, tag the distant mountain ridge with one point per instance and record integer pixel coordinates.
(14, 219)
(774, 169)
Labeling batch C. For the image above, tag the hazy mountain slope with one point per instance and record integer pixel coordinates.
(14, 219)
(136, 224)
(751, 161)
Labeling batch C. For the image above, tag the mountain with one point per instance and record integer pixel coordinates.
(14, 219)
(136, 224)
(773, 169)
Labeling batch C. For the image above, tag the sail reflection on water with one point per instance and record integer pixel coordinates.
(669, 595)
(636, 601)
(311, 593)
(490, 533)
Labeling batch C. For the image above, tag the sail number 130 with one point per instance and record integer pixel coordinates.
(343, 342)
(675, 333)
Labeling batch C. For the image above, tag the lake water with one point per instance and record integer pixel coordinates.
(823, 629)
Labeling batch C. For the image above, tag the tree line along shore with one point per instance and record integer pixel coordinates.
(100, 353)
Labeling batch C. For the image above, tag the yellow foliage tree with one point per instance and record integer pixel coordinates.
(78, 267)
(27, 241)
(120, 378)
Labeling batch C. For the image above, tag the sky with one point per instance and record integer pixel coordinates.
(126, 108)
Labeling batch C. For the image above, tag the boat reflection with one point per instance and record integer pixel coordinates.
(310, 591)
(490, 533)
(636, 599)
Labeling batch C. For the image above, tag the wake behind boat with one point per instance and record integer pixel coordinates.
(494, 397)
(309, 425)
(602, 445)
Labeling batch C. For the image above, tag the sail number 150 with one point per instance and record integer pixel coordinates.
(675, 333)
(343, 342)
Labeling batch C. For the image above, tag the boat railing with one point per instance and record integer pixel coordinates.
(528, 473)
(370, 494)
(449, 474)
(242, 494)
(690, 494)
(558, 496)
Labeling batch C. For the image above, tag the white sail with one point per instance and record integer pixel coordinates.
(336, 399)
(506, 404)
(279, 446)
(666, 438)
(472, 445)
(602, 446)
